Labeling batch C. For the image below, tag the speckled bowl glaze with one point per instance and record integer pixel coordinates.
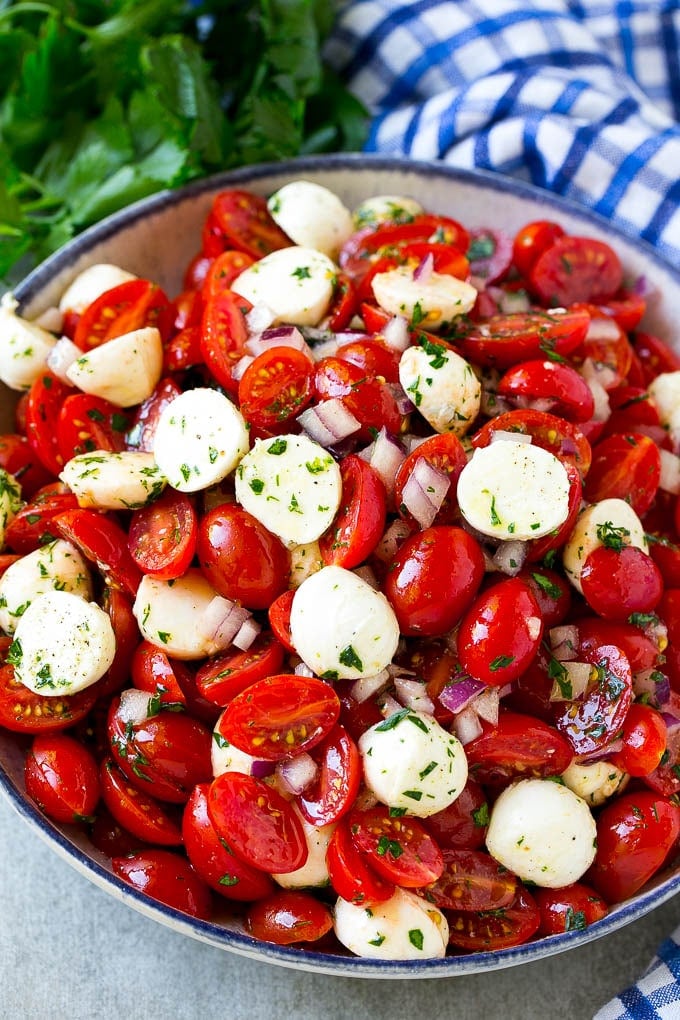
(156, 238)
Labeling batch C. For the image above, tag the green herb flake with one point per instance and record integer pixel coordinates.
(348, 657)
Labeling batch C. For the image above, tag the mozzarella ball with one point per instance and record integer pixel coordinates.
(386, 209)
(62, 644)
(405, 927)
(125, 370)
(341, 627)
(665, 393)
(57, 566)
(595, 783)
(91, 284)
(430, 302)
(411, 762)
(225, 757)
(24, 348)
(113, 481)
(542, 832)
(296, 284)
(10, 502)
(305, 560)
(170, 614)
(442, 386)
(314, 872)
(312, 216)
(609, 516)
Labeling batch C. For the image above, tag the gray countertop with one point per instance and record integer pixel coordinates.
(68, 951)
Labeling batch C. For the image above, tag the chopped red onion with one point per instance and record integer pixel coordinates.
(134, 706)
(424, 269)
(297, 773)
(368, 576)
(261, 769)
(281, 336)
(672, 723)
(413, 442)
(492, 405)
(247, 633)
(385, 455)
(494, 262)
(642, 287)
(603, 328)
(669, 479)
(328, 422)
(564, 642)
(302, 669)
(61, 357)
(367, 686)
(425, 491)
(389, 706)
(389, 544)
(413, 694)
(486, 705)
(466, 726)
(501, 436)
(511, 301)
(653, 683)
(601, 753)
(238, 370)
(576, 681)
(395, 333)
(220, 623)
(600, 379)
(510, 556)
(404, 404)
(259, 317)
(350, 336)
(458, 694)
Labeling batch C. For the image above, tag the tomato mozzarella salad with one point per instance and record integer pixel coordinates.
(344, 585)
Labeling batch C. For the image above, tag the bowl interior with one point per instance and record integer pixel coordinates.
(156, 238)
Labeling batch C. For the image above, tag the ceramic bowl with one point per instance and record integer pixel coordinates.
(156, 238)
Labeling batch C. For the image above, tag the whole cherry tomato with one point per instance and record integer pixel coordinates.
(619, 582)
(163, 535)
(167, 877)
(360, 520)
(531, 241)
(61, 777)
(500, 633)
(571, 908)
(287, 917)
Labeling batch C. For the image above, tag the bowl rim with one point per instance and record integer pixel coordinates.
(211, 932)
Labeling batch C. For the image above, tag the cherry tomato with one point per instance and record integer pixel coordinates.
(571, 908)
(553, 383)
(626, 308)
(213, 858)
(151, 670)
(222, 678)
(61, 777)
(343, 305)
(223, 271)
(369, 242)
(126, 632)
(575, 269)
(335, 789)
(163, 534)
(167, 877)
(128, 306)
(276, 387)
(463, 824)
(360, 520)
(552, 593)
(280, 716)
(22, 711)
(625, 467)
(43, 407)
(17, 457)
(655, 356)
(500, 633)
(506, 339)
(373, 357)
(110, 838)
(640, 651)
(472, 880)
(445, 453)
(369, 400)
(143, 816)
(531, 241)
(591, 721)
(644, 740)
(351, 876)
(241, 220)
(144, 424)
(399, 849)
(607, 345)
(287, 917)
(632, 410)
(433, 579)
(104, 543)
(259, 825)
(164, 754)
(279, 618)
(635, 833)
(223, 334)
(619, 582)
(183, 351)
(89, 423)
(560, 437)
(34, 525)
(518, 746)
(495, 929)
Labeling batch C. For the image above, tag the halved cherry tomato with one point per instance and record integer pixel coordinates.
(635, 833)
(625, 467)
(110, 838)
(343, 305)
(259, 825)
(399, 849)
(518, 746)
(223, 271)
(104, 543)
(127, 635)
(495, 929)
(143, 816)
(351, 876)
(591, 721)
(369, 400)
(333, 792)
(642, 653)
(576, 269)
(287, 917)
(571, 908)
(276, 387)
(617, 583)
(551, 382)
(213, 858)
(356, 254)
(433, 579)
(223, 335)
(222, 678)
(551, 591)
(632, 407)
(43, 406)
(89, 423)
(463, 824)
(360, 520)
(241, 220)
(122, 309)
(17, 457)
(151, 670)
(444, 452)
(505, 340)
(167, 877)
(61, 777)
(500, 633)
(280, 716)
(472, 880)
(626, 308)
(531, 241)
(22, 711)
(607, 345)
(279, 618)
(373, 357)
(143, 428)
(163, 534)
(560, 437)
(183, 351)
(655, 356)
(34, 525)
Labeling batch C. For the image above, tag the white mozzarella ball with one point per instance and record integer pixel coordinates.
(341, 627)
(305, 560)
(295, 283)
(24, 348)
(225, 757)
(10, 502)
(314, 872)
(170, 614)
(405, 927)
(665, 393)
(292, 486)
(411, 762)
(543, 832)
(386, 209)
(113, 481)
(57, 566)
(514, 491)
(62, 644)
(612, 517)
(442, 386)
(91, 284)
(595, 783)
(200, 438)
(430, 302)
(125, 370)
(311, 216)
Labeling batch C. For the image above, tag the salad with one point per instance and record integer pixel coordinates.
(343, 585)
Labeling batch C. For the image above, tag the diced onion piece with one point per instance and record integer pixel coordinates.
(325, 349)
(261, 769)
(603, 328)
(511, 301)
(669, 479)
(601, 753)
(500, 436)
(564, 642)
(395, 333)
(424, 269)
(595, 372)
(328, 422)
(385, 456)
(389, 706)
(367, 686)
(388, 545)
(367, 574)
(672, 723)
(466, 726)
(574, 683)
(221, 622)
(654, 683)
(509, 557)
(61, 357)
(413, 694)
(425, 491)
(302, 669)
(486, 705)
(297, 773)
(458, 694)
(238, 371)
(134, 706)
(279, 336)
(247, 633)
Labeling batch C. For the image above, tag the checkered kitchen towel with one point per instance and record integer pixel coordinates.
(579, 98)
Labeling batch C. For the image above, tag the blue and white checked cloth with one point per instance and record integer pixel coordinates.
(582, 99)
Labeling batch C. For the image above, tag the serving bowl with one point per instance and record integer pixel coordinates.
(156, 238)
